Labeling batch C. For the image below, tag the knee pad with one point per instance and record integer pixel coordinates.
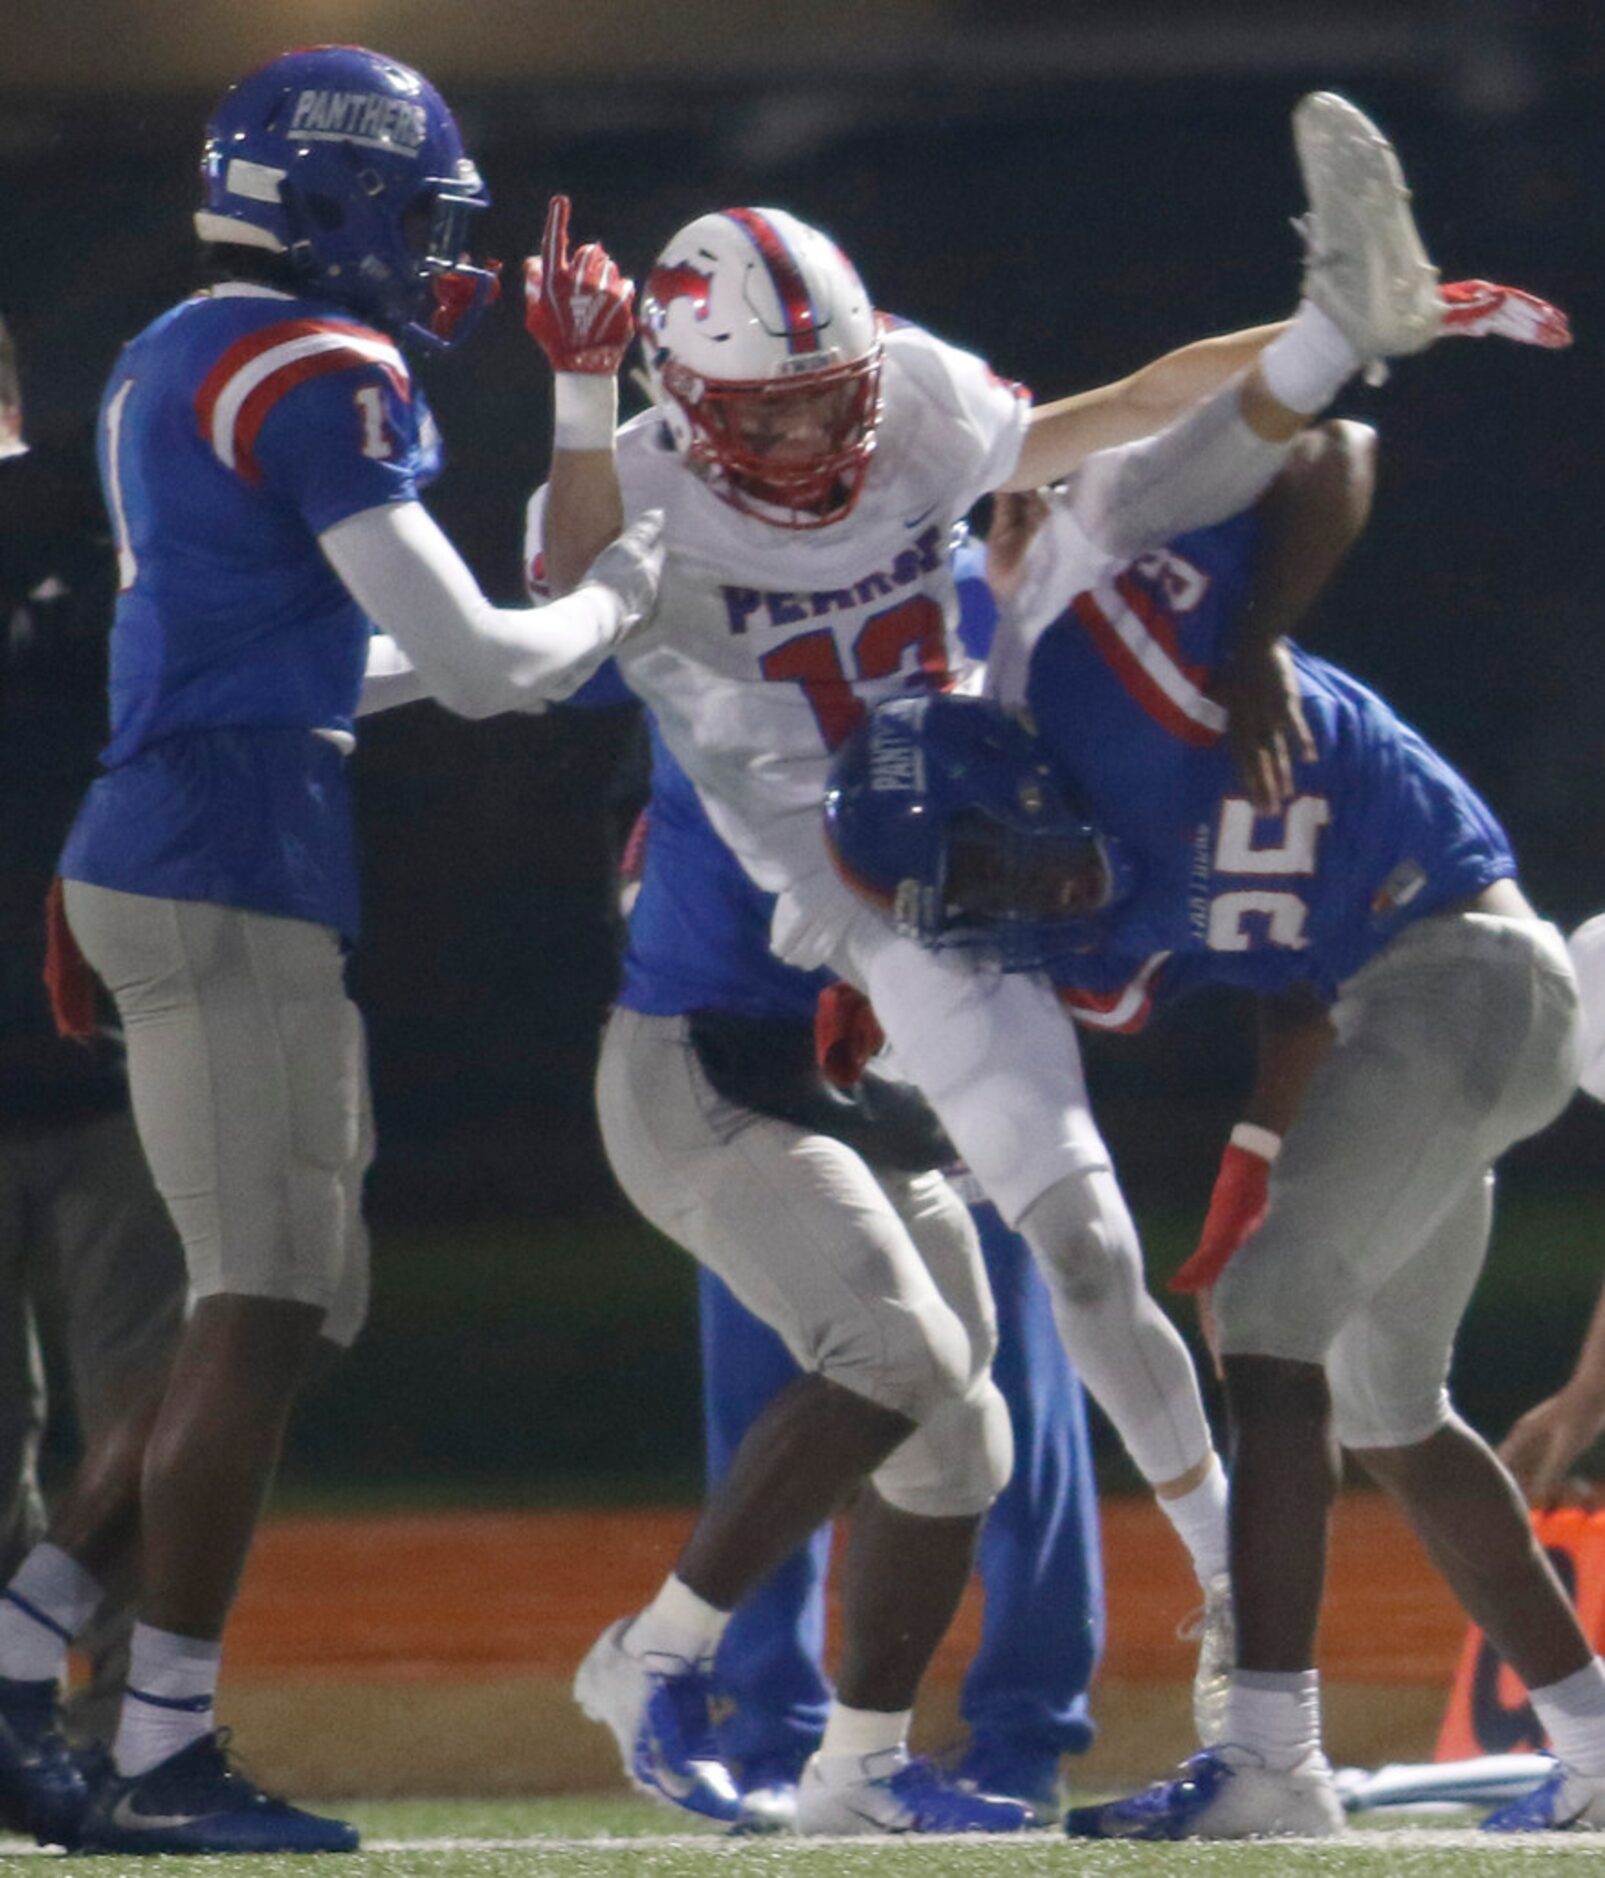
(348, 1309)
(1083, 1238)
(956, 1464)
(1364, 1416)
(916, 1360)
(1263, 1309)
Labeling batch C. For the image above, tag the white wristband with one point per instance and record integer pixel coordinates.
(1256, 1140)
(585, 410)
(1306, 366)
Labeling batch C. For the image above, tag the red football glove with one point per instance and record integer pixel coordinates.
(847, 1034)
(580, 310)
(1474, 309)
(1236, 1208)
(68, 977)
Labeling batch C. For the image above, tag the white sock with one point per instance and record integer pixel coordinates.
(1306, 366)
(677, 1623)
(1573, 1713)
(856, 1732)
(1276, 1716)
(1199, 1516)
(172, 1694)
(44, 1607)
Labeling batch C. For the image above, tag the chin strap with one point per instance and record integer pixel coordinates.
(461, 295)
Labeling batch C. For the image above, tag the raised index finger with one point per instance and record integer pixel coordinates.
(554, 237)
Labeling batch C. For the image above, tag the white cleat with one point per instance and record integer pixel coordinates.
(658, 1709)
(1365, 266)
(843, 1794)
(771, 1807)
(1224, 1793)
(1215, 1630)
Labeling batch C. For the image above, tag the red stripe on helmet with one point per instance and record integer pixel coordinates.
(797, 303)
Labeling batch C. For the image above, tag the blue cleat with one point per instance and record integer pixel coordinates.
(42, 1788)
(658, 1708)
(196, 1802)
(1222, 1794)
(888, 1792)
(1566, 1802)
(1016, 1768)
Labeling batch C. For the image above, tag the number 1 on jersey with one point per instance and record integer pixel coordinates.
(127, 566)
(376, 439)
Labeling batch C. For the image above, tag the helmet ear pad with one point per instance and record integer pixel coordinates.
(347, 234)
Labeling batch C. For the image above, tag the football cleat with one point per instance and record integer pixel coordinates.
(1365, 266)
(768, 1784)
(196, 1801)
(1214, 1630)
(1013, 1769)
(1566, 1802)
(658, 1708)
(887, 1792)
(768, 1804)
(1223, 1793)
(42, 1788)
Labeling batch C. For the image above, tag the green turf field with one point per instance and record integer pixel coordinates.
(600, 1838)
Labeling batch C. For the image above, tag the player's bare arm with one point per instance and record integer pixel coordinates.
(1065, 433)
(1543, 1446)
(1545, 1442)
(1311, 516)
(1295, 1035)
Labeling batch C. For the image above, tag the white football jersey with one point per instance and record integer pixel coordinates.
(770, 644)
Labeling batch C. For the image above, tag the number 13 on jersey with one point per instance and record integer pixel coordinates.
(814, 661)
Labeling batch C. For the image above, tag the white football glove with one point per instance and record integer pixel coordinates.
(632, 567)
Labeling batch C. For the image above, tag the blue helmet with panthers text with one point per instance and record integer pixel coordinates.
(351, 165)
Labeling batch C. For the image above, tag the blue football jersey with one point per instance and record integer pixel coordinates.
(699, 929)
(1380, 829)
(234, 430)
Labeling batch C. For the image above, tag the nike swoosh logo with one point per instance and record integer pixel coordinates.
(923, 516)
(129, 1819)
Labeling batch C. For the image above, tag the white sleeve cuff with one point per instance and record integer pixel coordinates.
(1256, 1140)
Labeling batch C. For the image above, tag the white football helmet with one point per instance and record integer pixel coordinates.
(763, 353)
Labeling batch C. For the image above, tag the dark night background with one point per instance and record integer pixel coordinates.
(1067, 188)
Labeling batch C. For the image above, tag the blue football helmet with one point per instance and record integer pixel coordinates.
(350, 164)
(947, 813)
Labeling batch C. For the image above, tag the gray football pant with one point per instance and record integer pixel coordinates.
(1457, 1040)
(874, 1280)
(250, 1089)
